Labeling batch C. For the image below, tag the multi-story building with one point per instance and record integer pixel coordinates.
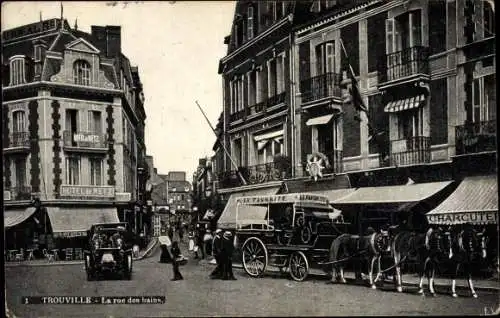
(73, 121)
(425, 73)
(179, 193)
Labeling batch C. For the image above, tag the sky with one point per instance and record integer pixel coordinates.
(177, 46)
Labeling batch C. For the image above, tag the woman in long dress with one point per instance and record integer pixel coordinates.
(165, 244)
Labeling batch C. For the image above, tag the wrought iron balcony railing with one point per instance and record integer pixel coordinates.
(407, 62)
(272, 171)
(268, 103)
(237, 115)
(83, 139)
(321, 86)
(20, 193)
(18, 139)
(410, 151)
(476, 137)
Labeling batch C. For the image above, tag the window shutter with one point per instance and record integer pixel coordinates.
(330, 57)
(439, 111)
(415, 27)
(305, 66)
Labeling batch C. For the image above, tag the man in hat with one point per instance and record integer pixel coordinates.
(217, 253)
(227, 255)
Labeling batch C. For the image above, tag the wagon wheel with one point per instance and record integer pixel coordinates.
(305, 234)
(299, 267)
(254, 257)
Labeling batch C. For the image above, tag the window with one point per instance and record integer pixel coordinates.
(410, 123)
(19, 121)
(237, 152)
(268, 149)
(96, 171)
(237, 95)
(488, 18)
(376, 40)
(403, 31)
(326, 4)
(272, 72)
(81, 72)
(17, 71)
(20, 167)
(484, 99)
(72, 124)
(437, 26)
(73, 170)
(95, 122)
(325, 58)
(252, 86)
(250, 23)
(261, 85)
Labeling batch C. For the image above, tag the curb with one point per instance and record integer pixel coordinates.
(413, 284)
(147, 251)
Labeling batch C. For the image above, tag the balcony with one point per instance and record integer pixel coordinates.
(410, 151)
(19, 193)
(476, 137)
(260, 108)
(267, 172)
(237, 116)
(410, 63)
(18, 142)
(84, 141)
(322, 86)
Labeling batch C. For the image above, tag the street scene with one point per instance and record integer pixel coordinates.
(250, 158)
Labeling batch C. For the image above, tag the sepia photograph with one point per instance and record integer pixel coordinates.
(249, 158)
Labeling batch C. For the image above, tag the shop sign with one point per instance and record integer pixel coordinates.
(29, 29)
(81, 137)
(70, 234)
(480, 217)
(90, 192)
(123, 196)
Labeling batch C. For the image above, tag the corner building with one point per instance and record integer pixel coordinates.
(73, 133)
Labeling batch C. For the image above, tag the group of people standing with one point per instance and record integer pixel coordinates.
(222, 250)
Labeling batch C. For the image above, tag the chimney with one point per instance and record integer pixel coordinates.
(40, 47)
(99, 36)
(113, 40)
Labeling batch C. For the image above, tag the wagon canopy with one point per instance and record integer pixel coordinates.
(475, 201)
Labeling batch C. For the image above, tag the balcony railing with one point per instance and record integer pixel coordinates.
(322, 86)
(273, 171)
(268, 103)
(20, 193)
(408, 62)
(476, 137)
(18, 140)
(410, 151)
(85, 140)
(238, 115)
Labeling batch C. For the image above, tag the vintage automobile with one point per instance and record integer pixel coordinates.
(109, 251)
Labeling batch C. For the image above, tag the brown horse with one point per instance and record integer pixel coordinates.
(356, 248)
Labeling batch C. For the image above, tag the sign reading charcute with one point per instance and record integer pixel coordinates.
(479, 217)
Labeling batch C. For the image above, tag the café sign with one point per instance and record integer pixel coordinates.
(86, 138)
(476, 217)
(95, 192)
(283, 198)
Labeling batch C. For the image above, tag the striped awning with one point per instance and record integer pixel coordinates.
(322, 120)
(404, 104)
(269, 135)
(15, 217)
(474, 201)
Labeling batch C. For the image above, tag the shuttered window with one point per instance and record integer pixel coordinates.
(376, 41)
(439, 111)
(350, 38)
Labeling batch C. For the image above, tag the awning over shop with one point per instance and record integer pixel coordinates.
(334, 195)
(404, 104)
(322, 120)
(474, 201)
(402, 194)
(17, 216)
(71, 222)
(246, 213)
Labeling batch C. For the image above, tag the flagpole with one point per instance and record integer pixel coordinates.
(223, 147)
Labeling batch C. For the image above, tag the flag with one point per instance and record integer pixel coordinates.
(357, 100)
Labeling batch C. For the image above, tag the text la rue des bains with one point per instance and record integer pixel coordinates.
(93, 300)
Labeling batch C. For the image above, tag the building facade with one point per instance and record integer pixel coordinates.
(73, 128)
(424, 71)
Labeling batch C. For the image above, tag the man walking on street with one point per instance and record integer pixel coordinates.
(227, 256)
(217, 253)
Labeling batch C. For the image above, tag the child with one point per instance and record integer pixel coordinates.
(176, 253)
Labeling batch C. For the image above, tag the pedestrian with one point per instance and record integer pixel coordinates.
(207, 242)
(200, 233)
(190, 240)
(165, 244)
(176, 253)
(217, 253)
(227, 256)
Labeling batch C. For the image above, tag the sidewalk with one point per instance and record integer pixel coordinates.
(491, 284)
(148, 251)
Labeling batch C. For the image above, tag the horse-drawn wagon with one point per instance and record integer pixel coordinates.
(287, 231)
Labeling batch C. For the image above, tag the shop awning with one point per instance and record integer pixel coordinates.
(402, 194)
(334, 195)
(474, 201)
(404, 104)
(71, 222)
(246, 213)
(322, 120)
(16, 216)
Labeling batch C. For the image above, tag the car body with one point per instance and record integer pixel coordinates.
(109, 250)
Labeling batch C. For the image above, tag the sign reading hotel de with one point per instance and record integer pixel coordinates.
(89, 192)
